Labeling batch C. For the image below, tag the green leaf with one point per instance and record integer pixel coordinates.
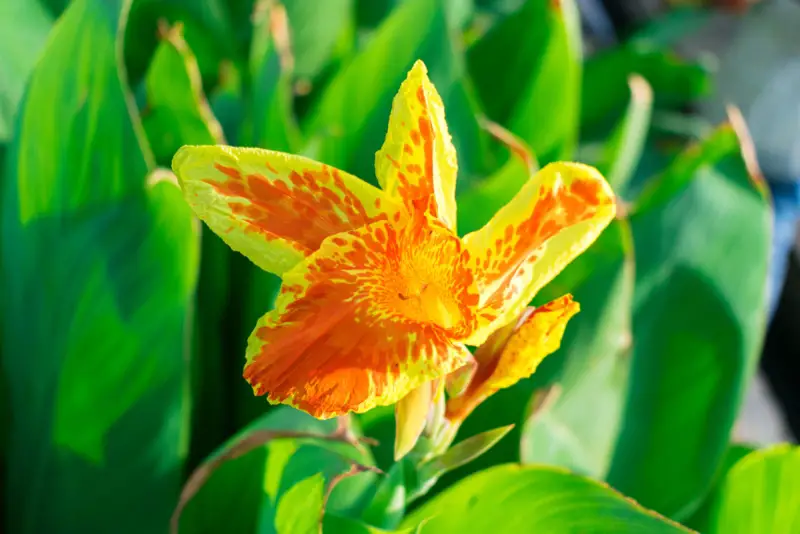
(624, 148)
(24, 26)
(300, 509)
(605, 92)
(702, 241)
(350, 120)
(388, 505)
(511, 498)
(345, 525)
(577, 425)
(176, 112)
(537, 81)
(701, 519)
(459, 454)
(100, 265)
(316, 29)
(238, 488)
(760, 493)
(270, 122)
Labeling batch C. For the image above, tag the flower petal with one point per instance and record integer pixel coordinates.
(272, 207)
(410, 415)
(554, 217)
(513, 353)
(333, 345)
(418, 160)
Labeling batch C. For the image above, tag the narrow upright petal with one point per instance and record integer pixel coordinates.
(411, 414)
(513, 353)
(373, 314)
(418, 160)
(554, 218)
(272, 207)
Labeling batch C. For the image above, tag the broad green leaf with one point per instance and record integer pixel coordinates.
(207, 29)
(623, 150)
(527, 72)
(605, 92)
(577, 426)
(478, 204)
(24, 25)
(99, 268)
(270, 122)
(388, 506)
(702, 239)
(176, 113)
(300, 508)
(351, 118)
(345, 525)
(237, 489)
(760, 493)
(701, 519)
(316, 30)
(511, 498)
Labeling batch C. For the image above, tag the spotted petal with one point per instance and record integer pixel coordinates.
(272, 207)
(554, 218)
(344, 336)
(513, 353)
(418, 160)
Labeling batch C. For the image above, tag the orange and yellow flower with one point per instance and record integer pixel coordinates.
(379, 293)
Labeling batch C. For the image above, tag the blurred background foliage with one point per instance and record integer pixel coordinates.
(125, 322)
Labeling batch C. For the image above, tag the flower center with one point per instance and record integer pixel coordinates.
(428, 280)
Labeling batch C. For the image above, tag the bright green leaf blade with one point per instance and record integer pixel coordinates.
(577, 426)
(24, 26)
(349, 122)
(534, 89)
(461, 454)
(176, 112)
(511, 498)
(300, 508)
(761, 493)
(99, 272)
(345, 525)
(270, 122)
(623, 150)
(701, 519)
(316, 27)
(388, 506)
(702, 234)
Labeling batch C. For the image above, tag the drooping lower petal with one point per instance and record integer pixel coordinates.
(554, 218)
(418, 159)
(513, 353)
(272, 207)
(349, 332)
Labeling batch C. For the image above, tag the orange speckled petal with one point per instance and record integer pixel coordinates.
(272, 207)
(418, 161)
(513, 353)
(335, 343)
(554, 218)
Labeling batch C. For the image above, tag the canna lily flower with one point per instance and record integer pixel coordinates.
(379, 293)
(511, 354)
